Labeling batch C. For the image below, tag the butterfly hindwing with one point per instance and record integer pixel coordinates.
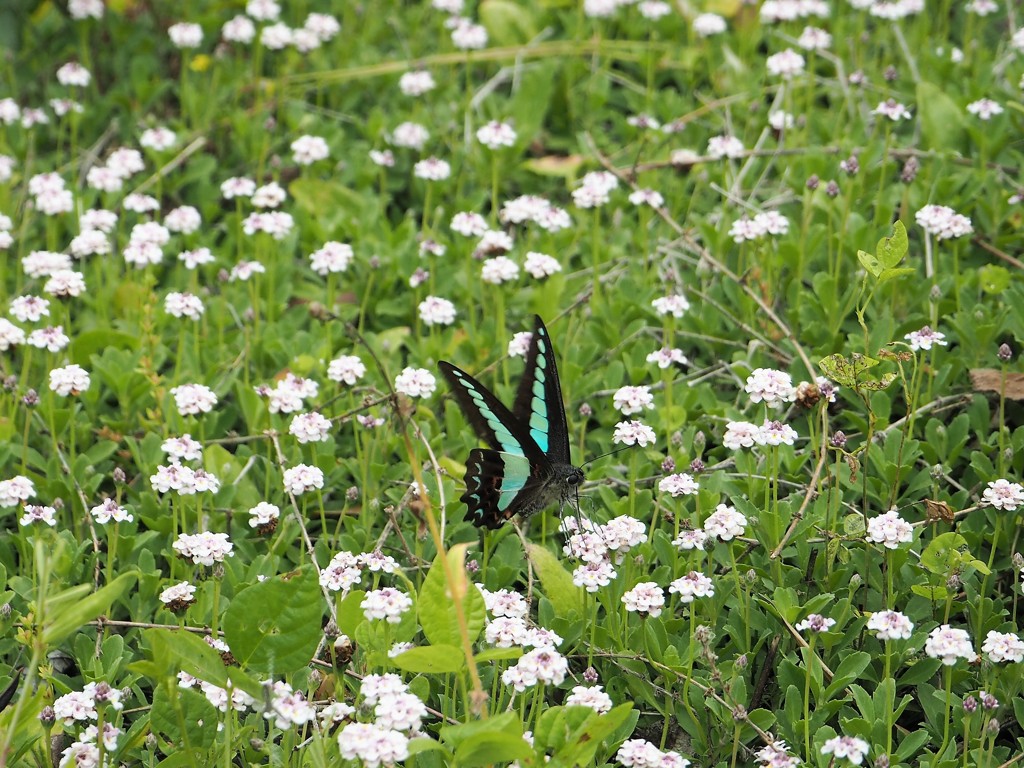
(538, 403)
(498, 485)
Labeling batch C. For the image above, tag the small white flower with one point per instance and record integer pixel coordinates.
(629, 400)
(666, 357)
(890, 625)
(185, 35)
(302, 478)
(346, 369)
(708, 24)
(925, 339)
(725, 523)
(69, 380)
(416, 83)
(309, 149)
(1004, 495)
(850, 747)
(634, 433)
(192, 399)
(646, 597)
(1003, 647)
(434, 310)
(692, 586)
(949, 644)
(416, 382)
(890, 530)
(310, 427)
(495, 135)
(675, 305)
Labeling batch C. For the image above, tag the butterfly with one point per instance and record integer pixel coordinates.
(527, 465)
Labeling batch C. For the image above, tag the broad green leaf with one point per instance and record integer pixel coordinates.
(870, 262)
(492, 747)
(184, 717)
(895, 274)
(436, 607)
(431, 659)
(947, 553)
(507, 22)
(470, 736)
(940, 118)
(556, 580)
(892, 249)
(846, 371)
(993, 278)
(274, 627)
(65, 616)
(330, 202)
(936, 593)
(174, 651)
(498, 654)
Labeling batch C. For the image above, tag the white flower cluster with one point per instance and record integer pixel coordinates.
(600, 547)
(397, 716)
(943, 222)
(639, 753)
(758, 227)
(346, 569)
(532, 208)
(204, 548)
(890, 530)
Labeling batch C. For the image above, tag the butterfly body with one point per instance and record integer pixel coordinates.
(527, 465)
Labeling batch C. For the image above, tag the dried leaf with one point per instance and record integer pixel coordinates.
(991, 380)
(938, 510)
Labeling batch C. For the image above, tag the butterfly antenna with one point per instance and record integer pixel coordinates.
(591, 461)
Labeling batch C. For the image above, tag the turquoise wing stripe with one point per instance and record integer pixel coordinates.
(539, 424)
(515, 475)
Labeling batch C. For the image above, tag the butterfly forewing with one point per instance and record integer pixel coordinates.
(490, 419)
(538, 401)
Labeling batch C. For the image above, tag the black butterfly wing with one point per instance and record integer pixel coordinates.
(538, 405)
(504, 480)
(490, 419)
(501, 485)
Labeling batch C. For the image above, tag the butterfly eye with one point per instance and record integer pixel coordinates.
(575, 478)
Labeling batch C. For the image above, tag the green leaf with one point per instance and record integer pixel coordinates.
(870, 263)
(876, 385)
(71, 609)
(993, 279)
(936, 593)
(273, 627)
(178, 650)
(431, 659)
(947, 553)
(436, 607)
(502, 735)
(892, 249)
(184, 717)
(556, 580)
(849, 670)
(507, 22)
(326, 201)
(941, 120)
(894, 274)
(846, 372)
